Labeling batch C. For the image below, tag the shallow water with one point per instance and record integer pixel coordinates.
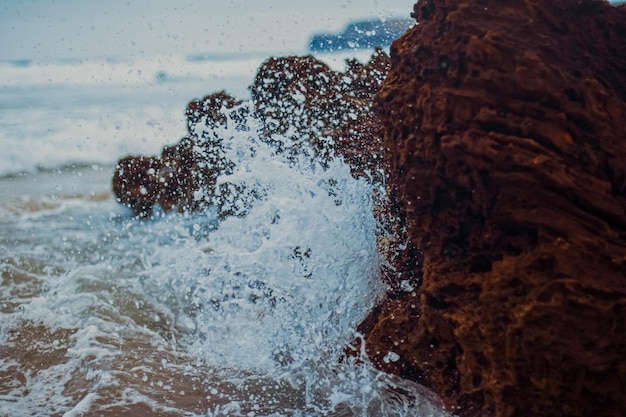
(179, 315)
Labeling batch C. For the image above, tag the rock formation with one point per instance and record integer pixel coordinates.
(136, 183)
(505, 132)
(303, 107)
(184, 176)
(302, 101)
(505, 234)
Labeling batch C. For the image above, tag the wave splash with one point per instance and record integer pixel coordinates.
(297, 265)
(191, 315)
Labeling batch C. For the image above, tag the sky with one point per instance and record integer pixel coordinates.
(80, 29)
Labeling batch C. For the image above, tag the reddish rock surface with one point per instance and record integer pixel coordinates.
(301, 100)
(505, 131)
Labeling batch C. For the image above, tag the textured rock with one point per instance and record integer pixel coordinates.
(303, 108)
(505, 134)
(301, 101)
(136, 183)
(184, 176)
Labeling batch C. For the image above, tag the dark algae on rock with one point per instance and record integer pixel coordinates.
(505, 138)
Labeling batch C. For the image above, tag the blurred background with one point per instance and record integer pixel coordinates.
(78, 29)
(88, 81)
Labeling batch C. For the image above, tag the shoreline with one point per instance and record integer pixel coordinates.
(47, 188)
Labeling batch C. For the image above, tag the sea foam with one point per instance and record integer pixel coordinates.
(192, 315)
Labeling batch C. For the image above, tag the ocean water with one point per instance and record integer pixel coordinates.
(179, 315)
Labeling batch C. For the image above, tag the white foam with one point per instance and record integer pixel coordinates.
(247, 309)
(127, 73)
(58, 113)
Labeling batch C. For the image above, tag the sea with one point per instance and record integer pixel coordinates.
(103, 314)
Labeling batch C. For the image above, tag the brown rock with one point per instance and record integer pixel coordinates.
(304, 108)
(203, 154)
(296, 98)
(358, 138)
(211, 110)
(136, 183)
(185, 175)
(182, 176)
(301, 101)
(505, 129)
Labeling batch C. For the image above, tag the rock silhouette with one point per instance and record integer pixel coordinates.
(136, 183)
